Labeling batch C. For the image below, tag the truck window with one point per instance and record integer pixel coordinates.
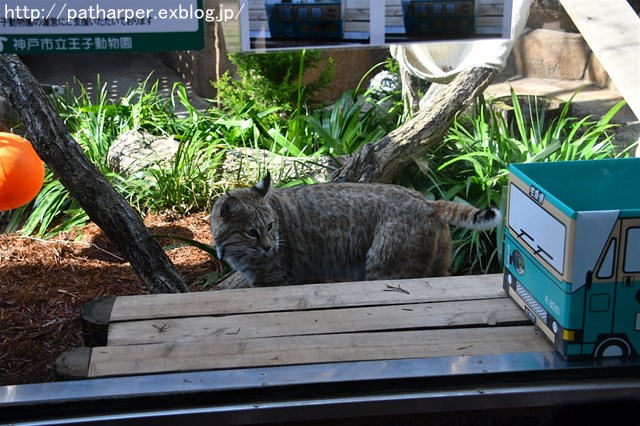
(542, 232)
(606, 269)
(632, 254)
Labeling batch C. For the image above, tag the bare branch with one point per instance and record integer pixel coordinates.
(104, 205)
(382, 161)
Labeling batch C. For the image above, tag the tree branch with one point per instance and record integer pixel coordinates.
(106, 207)
(382, 161)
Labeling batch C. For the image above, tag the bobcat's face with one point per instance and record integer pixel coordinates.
(245, 230)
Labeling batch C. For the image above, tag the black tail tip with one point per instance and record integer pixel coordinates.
(487, 219)
(482, 216)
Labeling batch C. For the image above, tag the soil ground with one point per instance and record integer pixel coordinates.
(45, 284)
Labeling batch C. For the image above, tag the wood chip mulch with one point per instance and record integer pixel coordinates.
(45, 284)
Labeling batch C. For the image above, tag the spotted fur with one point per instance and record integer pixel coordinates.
(338, 232)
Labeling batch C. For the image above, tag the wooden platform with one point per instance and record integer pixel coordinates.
(612, 30)
(297, 325)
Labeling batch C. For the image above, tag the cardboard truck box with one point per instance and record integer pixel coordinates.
(572, 253)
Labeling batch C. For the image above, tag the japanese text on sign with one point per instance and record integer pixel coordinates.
(70, 44)
(75, 26)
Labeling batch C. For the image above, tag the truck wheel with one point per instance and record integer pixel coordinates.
(612, 346)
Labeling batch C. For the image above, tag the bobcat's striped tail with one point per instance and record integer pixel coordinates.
(459, 214)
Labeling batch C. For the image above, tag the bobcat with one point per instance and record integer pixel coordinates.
(337, 232)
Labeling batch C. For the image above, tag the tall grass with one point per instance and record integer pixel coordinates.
(95, 122)
(471, 165)
(187, 184)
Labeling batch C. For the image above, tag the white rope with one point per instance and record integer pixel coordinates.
(441, 62)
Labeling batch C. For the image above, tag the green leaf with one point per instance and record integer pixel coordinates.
(209, 249)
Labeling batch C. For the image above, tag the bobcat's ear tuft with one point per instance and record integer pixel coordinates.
(264, 186)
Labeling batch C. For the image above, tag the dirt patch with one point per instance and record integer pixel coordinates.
(45, 284)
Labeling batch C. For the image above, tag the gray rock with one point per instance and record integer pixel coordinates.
(546, 53)
(628, 135)
(248, 165)
(137, 150)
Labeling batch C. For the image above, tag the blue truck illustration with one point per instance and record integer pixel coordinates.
(572, 253)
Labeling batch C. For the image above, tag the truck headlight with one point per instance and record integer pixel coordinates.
(568, 335)
(517, 260)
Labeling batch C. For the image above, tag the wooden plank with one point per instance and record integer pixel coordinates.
(474, 313)
(310, 296)
(612, 30)
(278, 351)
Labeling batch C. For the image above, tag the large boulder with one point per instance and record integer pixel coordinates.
(543, 53)
(248, 165)
(137, 150)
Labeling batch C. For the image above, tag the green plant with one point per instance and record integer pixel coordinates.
(386, 92)
(352, 120)
(346, 126)
(287, 127)
(265, 106)
(185, 186)
(93, 126)
(189, 182)
(472, 164)
(209, 279)
(273, 79)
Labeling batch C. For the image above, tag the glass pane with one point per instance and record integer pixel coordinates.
(606, 269)
(537, 228)
(632, 255)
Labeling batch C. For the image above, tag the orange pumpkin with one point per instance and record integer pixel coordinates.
(21, 171)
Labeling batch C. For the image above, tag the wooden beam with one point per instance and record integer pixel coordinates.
(456, 314)
(95, 321)
(291, 350)
(306, 297)
(612, 30)
(306, 324)
(74, 364)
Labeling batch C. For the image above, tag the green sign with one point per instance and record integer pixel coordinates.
(81, 26)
